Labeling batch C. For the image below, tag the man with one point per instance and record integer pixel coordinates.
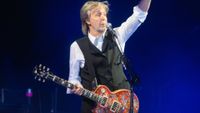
(96, 58)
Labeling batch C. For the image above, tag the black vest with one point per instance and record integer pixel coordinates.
(106, 64)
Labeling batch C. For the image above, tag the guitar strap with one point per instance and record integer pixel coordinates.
(84, 46)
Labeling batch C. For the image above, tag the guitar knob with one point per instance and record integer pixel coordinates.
(103, 90)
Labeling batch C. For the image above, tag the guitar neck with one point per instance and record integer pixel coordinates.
(86, 93)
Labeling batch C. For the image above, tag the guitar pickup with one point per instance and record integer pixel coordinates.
(104, 101)
(115, 106)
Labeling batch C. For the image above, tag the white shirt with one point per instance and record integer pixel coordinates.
(123, 32)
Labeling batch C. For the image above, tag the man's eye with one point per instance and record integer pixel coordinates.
(98, 14)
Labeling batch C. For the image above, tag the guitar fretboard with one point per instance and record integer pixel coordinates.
(86, 93)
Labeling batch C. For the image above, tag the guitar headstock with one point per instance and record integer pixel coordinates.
(41, 72)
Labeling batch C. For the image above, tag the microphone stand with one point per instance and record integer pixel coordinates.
(133, 79)
(132, 76)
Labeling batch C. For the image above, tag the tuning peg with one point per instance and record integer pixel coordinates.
(43, 80)
(38, 74)
(35, 77)
(48, 69)
(35, 71)
(40, 65)
(39, 79)
(44, 67)
(39, 68)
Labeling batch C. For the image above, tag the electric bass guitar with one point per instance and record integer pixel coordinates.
(107, 102)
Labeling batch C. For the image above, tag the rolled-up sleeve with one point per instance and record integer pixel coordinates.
(127, 28)
(74, 65)
(139, 14)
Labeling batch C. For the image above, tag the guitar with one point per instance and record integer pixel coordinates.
(107, 102)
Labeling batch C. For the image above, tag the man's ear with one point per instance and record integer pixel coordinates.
(87, 22)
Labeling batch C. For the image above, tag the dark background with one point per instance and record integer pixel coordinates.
(164, 52)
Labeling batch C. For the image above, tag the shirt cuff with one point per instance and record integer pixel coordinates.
(74, 82)
(141, 15)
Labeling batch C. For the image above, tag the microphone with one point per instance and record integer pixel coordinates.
(110, 29)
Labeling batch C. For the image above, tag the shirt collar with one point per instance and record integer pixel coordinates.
(100, 38)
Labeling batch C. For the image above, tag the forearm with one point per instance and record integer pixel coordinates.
(144, 5)
(127, 28)
(74, 67)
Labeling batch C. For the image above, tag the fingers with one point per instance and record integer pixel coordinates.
(77, 90)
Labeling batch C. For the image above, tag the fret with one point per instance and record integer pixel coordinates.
(68, 85)
(83, 92)
(94, 97)
(99, 99)
(87, 93)
(90, 95)
(49, 76)
(54, 78)
(62, 82)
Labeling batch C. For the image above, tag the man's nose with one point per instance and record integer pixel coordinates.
(103, 17)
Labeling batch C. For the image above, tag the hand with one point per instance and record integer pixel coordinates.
(78, 89)
(144, 5)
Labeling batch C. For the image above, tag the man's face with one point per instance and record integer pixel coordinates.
(97, 21)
